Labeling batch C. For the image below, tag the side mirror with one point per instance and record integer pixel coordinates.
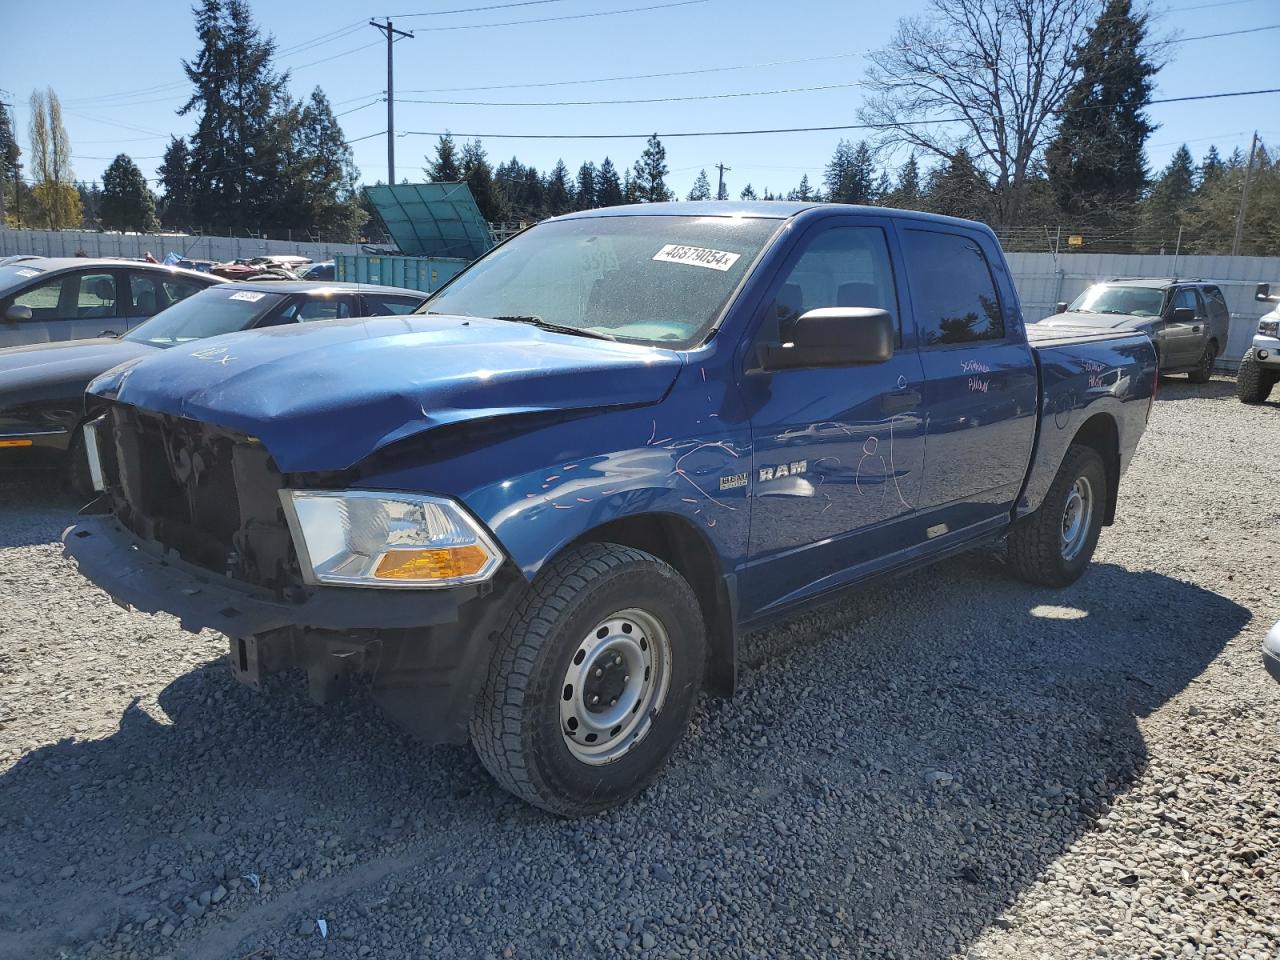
(1183, 315)
(1262, 292)
(834, 337)
(1060, 307)
(16, 313)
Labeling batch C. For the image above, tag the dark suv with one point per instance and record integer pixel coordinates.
(1186, 319)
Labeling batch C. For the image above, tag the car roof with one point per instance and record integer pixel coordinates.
(766, 209)
(54, 264)
(308, 287)
(1156, 282)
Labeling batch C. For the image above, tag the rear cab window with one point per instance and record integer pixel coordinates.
(953, 291)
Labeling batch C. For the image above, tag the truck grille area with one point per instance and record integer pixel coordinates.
(207, 493)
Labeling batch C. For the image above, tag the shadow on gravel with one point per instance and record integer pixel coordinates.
(896, 770)
(1179, 388)
(35, 507)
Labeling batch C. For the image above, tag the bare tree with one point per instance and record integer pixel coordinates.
(986, 75)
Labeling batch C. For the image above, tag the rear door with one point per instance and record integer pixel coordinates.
(1219, 316)
(981, 384)
(1183, 340)
(838, 450)
(385, 304)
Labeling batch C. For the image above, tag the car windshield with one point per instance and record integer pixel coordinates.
(210, 312)
(15, 274)
(1133, 301)
(653, 279)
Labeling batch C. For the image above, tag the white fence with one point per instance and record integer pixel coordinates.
(67, 243)
(1043, 280)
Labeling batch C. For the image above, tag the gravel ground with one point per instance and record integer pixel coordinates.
(955, 764)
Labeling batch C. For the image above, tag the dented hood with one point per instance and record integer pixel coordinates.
(325, 395)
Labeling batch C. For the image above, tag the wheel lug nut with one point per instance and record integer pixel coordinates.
(599, 672)
(627, 678)
(613, 702)
(595, 699)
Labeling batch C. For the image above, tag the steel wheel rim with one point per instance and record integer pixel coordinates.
(615, 686)
(1076, 518)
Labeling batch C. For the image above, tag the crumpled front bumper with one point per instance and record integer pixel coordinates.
(140, 575)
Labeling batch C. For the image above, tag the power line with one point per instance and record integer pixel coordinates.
(1229, 33)
(571, 16)
(817, 129)
(495, 6)
(634, 100)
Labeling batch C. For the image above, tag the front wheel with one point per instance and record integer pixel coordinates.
(593, 681)
(1204, 366)
(1052, 546)
(1253, 384)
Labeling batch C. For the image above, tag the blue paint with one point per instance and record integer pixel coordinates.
(800, 480)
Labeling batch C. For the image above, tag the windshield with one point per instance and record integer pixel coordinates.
(1134, 301)
(657, 279)
(205, 314)
(14, 274)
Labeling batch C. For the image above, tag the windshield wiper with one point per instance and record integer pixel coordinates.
(541, 324)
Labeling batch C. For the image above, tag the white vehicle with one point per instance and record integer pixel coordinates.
(1260, 368)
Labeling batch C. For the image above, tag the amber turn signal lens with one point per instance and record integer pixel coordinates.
(15, 443)
(446, 564)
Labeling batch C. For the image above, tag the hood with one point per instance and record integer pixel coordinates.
(324, 396)
(72, 361)
(1098, 321)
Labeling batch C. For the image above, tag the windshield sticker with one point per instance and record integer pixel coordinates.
(25, 272)
(248, 295)
(697, 256)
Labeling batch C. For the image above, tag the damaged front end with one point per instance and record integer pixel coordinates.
(191, 522)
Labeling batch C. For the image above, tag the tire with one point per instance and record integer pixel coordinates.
(1038, 544)
(1204, 366)
(77, 473)
(574, 618)
(1253, 384)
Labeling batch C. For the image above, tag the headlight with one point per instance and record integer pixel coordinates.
(1269, 328)
(375, 539)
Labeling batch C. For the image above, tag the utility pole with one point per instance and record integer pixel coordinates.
(720, 189)
(391, 33)
(1244, 198)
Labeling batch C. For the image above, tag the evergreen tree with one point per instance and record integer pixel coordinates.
(649, 177)
(534, 191)
(585, 195)
(445, 167)
(1211, 168)
(330, 202)
(958, 189)
(10, 165)
(803, 192)
(608, 187)
(747, 193)
(905, 194)
(90, 204)
(489, 196)
(126, 203)
(559, 192)
(1169, 200)
(701, 187)
(1210, 220)
(175, 177)
(1095, 163)
(851, 174)
(240, 149)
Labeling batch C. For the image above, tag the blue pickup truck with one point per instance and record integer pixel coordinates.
(539, 513)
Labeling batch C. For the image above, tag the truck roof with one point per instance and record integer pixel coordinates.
(761, 209)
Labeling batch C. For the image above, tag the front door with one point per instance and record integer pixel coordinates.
(1182, 341)
(838, 451)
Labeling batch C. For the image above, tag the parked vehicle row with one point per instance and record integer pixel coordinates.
(42, 385)
(539, 513)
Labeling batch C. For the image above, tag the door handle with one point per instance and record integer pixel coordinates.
(900, 401)
(1195, 329)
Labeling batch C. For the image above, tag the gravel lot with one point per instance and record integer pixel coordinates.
(955, 764)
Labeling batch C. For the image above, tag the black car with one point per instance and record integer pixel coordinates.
(42, 385)
(1187, 320)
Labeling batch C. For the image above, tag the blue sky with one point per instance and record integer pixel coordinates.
(120, 79)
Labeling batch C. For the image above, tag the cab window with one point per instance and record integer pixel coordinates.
(952, 290)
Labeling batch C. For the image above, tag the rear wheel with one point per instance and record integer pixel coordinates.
(1204, 366)
(1053, 546)
(592, 685)
(1253, 383)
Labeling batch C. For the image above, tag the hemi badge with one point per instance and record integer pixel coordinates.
(937, 530)
(733, 482)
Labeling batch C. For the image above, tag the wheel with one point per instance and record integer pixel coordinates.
(1253, 384)
(1204, 366)
(1052, 546)
(594, 679)
(78, 479)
